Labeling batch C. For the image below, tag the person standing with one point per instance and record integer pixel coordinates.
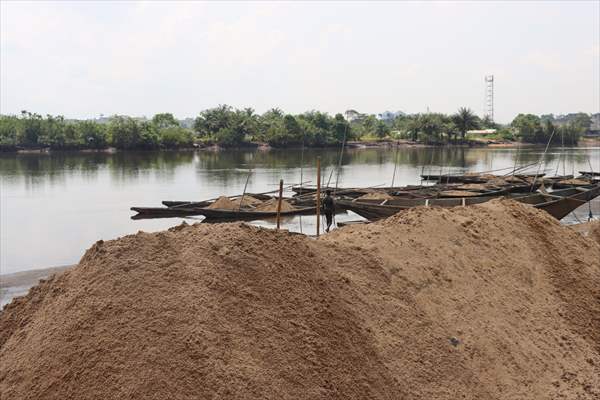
(328, 208)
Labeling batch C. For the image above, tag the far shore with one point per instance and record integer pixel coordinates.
(386, 143)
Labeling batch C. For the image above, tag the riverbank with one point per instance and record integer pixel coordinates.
(479, 142)
(266, 147)
(471, 302)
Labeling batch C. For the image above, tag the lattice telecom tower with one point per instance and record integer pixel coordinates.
(488, 110)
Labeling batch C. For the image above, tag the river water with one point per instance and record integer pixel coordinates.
(56, 205)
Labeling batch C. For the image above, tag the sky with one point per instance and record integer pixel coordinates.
(83, 59)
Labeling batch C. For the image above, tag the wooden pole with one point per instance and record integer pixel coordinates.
(244, 193)
(318, 194)
(279, 203)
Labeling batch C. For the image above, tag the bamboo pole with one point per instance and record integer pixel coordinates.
(244, 193)
(318, 194)
(279, 203)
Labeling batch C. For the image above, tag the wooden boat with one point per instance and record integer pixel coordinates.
(190, 203)
(558, 203)
(164, 212)
(471, 177)
(176, 204)
(243, 214)
(216, 214)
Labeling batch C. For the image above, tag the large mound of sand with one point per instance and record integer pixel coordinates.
(496, 301)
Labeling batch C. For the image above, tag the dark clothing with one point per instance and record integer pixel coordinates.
(328, 210)
(328, 205)
(329, 218)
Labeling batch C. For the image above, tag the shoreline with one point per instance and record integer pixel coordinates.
(18, 283)
(483, 143)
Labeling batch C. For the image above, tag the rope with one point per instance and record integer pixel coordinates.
(575, 216)
(395, 165)
(245, 186)
(302, 162)
(337, 178)
(542, 159)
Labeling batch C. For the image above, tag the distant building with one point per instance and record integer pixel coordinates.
(389, 115)
(595, 122)
(187, 122)
(595, 126)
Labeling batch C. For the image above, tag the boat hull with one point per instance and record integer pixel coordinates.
(558, 203)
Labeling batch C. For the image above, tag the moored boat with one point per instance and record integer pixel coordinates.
(558, 203)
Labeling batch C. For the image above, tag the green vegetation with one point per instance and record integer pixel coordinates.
(229, 127)
(533, 129)
(34, 131)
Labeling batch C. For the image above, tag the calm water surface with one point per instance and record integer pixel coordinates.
(54, 206)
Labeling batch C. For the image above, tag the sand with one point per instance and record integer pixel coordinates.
(225, 203)
(475, 186)
(575, 182)
(495, 301)
(458, 193)
(375, 195)
(590, 229)
(271, 205)
(248, 201)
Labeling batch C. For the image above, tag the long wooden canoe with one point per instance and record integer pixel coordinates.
(558, 203)
(215, 213)
(471, 177)
(251, 215)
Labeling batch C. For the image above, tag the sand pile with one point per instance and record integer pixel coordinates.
(248, 201)
(594, 232)
(458, 193)
(575, 182)
(376, 195)
(271, 205)
(475, 186)
(224, 203)
(496, 301)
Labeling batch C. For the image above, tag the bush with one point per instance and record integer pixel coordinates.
(176, 137)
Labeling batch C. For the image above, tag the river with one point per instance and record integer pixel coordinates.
(56, 205)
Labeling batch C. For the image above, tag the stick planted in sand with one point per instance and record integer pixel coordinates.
(279, 202)
(318, 193)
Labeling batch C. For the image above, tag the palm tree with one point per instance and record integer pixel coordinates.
(465, 120)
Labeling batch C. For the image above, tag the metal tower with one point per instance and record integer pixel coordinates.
(489, 97)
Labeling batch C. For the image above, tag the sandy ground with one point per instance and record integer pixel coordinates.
(495, 301)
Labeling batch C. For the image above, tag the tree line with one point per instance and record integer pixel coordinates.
(226, 126)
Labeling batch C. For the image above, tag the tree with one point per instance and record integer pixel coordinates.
(9, 127)
(31, 129)
(211, 121)
(164, 120)
(176, 136)
(92, 134)
(52, 132)
(582, 120)
(465, 120)
(382, 129)
(341, 128)
(429, 127)
(127, 133)
(529, 127)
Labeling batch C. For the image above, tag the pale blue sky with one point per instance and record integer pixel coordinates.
(81, 59)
